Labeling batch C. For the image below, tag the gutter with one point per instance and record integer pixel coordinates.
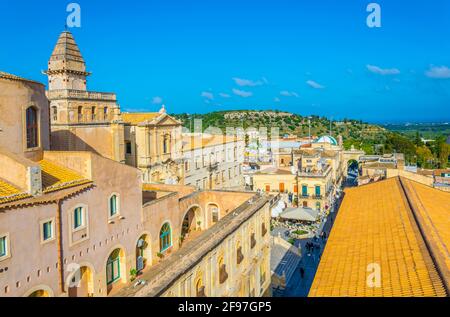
(60, 245)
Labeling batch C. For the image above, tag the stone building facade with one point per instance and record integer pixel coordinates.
(213, 161)
(75, 223)
(153, 143)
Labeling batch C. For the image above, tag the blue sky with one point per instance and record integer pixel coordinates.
(303, 56)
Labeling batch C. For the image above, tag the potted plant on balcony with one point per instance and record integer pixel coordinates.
(160, 255)
(133, 274)
(199, 225)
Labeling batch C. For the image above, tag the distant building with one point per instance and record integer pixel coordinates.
(213, 161)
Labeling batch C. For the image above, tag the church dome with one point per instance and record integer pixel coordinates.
(327, 139)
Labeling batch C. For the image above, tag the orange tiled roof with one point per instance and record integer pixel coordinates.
(376, 225)
(9, 193)
(139, 117)
(54, 178)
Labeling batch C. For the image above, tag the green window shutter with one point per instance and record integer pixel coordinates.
(113, 205)
(47, 230)
(304, 190)
(2, 246)
(78, 217)
(317, 190)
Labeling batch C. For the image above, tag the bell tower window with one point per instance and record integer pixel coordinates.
(32, 127)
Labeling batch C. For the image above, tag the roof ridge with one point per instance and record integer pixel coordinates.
(411, 206)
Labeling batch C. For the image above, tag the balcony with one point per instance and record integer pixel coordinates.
(213, 167)
(314, 173)
(80, 94)
(317, 197)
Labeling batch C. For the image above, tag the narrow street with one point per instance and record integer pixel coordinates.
(299, 287)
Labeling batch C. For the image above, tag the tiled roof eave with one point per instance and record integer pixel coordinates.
(46, 198)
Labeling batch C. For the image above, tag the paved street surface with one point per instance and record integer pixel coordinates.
(297, 286)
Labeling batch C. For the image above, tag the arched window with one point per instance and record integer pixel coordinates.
(54, 113)
(223, 275)
(32, 127)
(165, 237)
(200, 289)
(113, 267)
(93, 113)
(215, 214)
(113, 205)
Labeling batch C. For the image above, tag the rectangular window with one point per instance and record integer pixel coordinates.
(47, 230)
(77, 217)
(304, 190)
(317, 190)
(3, 246)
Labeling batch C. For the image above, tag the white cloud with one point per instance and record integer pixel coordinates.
(276, 99)
(207, 95)
(383, 71)
(242, 93)
(314, 84)
(224, 95)
(157, 100)
(288, 93)
(438, 72)
(247, 82)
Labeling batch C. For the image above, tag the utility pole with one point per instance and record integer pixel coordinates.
(331, 119)
(309, 124)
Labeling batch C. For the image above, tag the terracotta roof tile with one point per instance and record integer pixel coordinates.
(376, 225)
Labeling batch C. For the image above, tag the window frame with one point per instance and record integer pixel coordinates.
(83, 224)
(164, 247)
(110, 263)
(6, 246)
(117, 214)
(35, 127)
(315, 190)
(42, 223)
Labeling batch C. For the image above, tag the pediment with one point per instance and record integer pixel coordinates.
(165, 119)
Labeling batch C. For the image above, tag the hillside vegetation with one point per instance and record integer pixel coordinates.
(373, 139)
(354, 132)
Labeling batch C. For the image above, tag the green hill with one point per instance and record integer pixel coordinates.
(354, 132)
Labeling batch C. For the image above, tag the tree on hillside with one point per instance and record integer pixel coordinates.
(424, 156)
(444, 153)
(398, 143)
